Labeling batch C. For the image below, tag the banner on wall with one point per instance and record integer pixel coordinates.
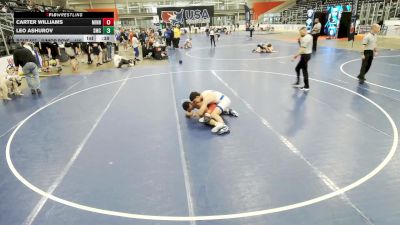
(186, 15)
(310, 20)
(333, 21)
(352, 31)
(247, 14)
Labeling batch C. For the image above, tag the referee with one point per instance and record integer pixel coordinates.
(306, 44)
(315, 33)
(368, 51)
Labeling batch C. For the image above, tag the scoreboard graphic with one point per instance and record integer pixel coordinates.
(64, 27)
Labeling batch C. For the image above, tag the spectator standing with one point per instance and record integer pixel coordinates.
(212, 37)
(177, 36)
(135, 45)
(24, 58)
(169, 36)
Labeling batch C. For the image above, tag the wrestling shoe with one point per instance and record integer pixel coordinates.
(205, 119)
(304, 89)
(233, 113)
(230, 112)
(224, 130)
(217, 127)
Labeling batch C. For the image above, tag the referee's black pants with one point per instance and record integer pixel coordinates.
(315, 40)
(175, 42)
(212, 40)
(366, 63)
(303, 65)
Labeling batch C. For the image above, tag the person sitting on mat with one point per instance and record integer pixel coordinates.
(14, 81)
(204, 99)
(4, 88)
(188, 43)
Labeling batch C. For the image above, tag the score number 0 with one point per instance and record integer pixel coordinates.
(108, 21)
(108, 25)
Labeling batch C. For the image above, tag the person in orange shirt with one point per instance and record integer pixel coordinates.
(130, 37)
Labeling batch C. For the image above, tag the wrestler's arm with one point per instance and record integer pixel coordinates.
(203, 108)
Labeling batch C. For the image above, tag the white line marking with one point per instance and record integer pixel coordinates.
(351, 186)
(351, 117)
(355, 78)
(72, 86)
(32, 216)
(368, 125)
(341, 81)
(297, 152)
(184, 164)
(221, 59)
(384, 75)
(224, 46)
(391, 64)
(378, 93)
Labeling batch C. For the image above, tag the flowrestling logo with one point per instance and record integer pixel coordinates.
(189, 15)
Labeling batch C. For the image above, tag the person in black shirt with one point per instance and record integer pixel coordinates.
(143, 36)
(24, 58)
(123, 39)
(41, 48)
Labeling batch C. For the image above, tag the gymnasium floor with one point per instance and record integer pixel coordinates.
(114, 147)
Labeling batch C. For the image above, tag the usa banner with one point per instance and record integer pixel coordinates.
(186, 15)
